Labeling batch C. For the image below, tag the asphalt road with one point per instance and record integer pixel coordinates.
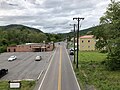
(25, 66)
(60, 74)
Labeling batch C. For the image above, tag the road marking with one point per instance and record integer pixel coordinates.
(59, 77)
(40, 75)
(72, 70)
(46, 71)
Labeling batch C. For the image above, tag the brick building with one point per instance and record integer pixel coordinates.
(31, 47)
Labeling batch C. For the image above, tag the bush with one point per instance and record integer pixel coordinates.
(113, 62)
(3, 49)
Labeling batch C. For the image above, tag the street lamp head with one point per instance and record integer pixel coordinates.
(74, 18)
(82, 18)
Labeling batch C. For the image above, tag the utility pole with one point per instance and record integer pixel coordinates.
(74, 25)
(67, 42)
(78, 19)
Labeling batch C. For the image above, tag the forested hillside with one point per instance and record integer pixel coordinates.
(19, 34)
(81, 32)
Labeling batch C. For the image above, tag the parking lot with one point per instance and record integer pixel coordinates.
(25, 66)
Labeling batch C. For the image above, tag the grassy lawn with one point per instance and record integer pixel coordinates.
(92, 74)
(25, 85)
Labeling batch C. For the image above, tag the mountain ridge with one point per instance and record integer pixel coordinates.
(20, 27)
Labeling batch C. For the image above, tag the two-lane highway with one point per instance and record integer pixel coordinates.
(60, 74)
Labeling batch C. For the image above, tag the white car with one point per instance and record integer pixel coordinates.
(38, 58)
(75, 49)
(71, 49)
(11, 58)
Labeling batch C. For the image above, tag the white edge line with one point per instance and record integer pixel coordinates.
(40, 75)
(46, 72)
(72, 69)
(23, 79)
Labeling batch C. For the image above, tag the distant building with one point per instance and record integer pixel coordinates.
(31, 47)
(87, 43)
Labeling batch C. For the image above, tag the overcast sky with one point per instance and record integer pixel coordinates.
(51, 16)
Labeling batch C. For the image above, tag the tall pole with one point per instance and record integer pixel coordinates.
(74, 43)
(74, 25)
(67, 43)
(78, 19)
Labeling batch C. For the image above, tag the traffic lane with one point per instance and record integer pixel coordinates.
(26, 68)
(22, 56)
(12, 64)
(50, 82)
(33, 68)
(23, 68)
(18, 66)
(18, 73)
(68, 79)
(4, 57)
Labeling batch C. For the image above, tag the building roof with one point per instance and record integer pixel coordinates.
(87, 36)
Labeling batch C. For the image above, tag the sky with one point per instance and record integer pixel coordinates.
(52, 16)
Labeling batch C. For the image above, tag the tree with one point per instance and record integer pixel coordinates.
(108, 34)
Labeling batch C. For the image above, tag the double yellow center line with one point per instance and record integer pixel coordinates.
(59, 77)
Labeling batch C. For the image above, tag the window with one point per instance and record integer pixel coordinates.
(8, 50)
(88, 40)
(82, 41)
(88, 46)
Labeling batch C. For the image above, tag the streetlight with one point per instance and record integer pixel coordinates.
(74, 39)
(78, 19)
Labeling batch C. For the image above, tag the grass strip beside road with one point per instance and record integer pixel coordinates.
(25, 85)
(92, 74)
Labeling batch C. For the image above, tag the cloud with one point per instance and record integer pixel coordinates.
(51, 15)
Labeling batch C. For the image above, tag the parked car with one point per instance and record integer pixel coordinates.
(11, 58)
(71, 52)
(71, 49)
(3, 72)
(38, 58)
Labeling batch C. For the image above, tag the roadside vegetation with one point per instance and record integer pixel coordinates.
(92, 73)
(108, 35)
(25, 85)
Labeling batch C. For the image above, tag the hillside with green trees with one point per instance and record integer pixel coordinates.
(83, 32)
(15, 34)
(19, 34)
